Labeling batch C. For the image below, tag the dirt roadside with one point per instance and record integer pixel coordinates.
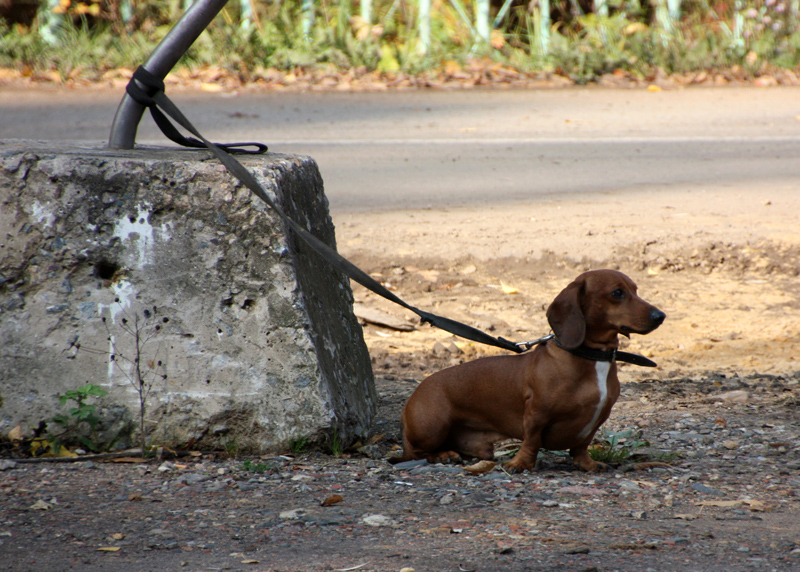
(721, 414)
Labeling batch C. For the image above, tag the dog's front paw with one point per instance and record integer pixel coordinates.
(591, 466)
(517, 466)
(445, 458)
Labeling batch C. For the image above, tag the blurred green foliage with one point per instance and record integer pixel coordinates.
(88, 37)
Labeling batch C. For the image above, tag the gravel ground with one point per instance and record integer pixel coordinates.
(723, 496)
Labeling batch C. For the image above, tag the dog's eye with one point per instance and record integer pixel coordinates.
(618, 294)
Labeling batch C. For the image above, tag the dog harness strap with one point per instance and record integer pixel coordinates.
(609, 356)
(155, 98)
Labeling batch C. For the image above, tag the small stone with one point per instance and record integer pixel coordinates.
(377, 520)
(701, 488)
(639, 515)
(577, 550)
(6, 464)
(166, 466)
(738, 396)
(410, 464)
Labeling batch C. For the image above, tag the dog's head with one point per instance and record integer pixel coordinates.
(598, 306)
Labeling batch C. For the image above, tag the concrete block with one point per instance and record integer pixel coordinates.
(159, 260)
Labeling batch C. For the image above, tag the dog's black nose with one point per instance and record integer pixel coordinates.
(657, 316)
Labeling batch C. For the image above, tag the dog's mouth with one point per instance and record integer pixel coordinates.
(628, 330)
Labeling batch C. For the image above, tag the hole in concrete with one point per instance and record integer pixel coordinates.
(248, 304)
(105, 269)
(227, 301)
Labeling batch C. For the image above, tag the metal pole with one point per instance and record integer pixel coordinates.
(161, 61)
(424, 25)
(50, 23)
(544, 27)
(308, 18)
(482, 20)
(246, 15)
(366, 11)
(674, 9)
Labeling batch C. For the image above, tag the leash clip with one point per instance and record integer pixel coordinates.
(525, 346)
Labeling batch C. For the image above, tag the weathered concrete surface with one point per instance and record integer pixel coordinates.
(246, 338)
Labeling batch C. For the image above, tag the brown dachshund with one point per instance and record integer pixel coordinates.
(556, 396)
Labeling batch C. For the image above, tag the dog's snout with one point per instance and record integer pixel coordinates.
(657, 316)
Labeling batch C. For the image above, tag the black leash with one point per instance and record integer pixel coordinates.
(153, 96)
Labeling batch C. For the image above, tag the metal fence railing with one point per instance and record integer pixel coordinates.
(480, 23)
(476, 15)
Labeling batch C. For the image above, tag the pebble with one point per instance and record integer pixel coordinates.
(377, 520)
(410, 464)
(701, 488)
(417, 499)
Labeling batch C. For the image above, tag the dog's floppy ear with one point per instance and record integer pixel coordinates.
(566, 317)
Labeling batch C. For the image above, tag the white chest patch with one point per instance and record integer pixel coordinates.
(601, 369)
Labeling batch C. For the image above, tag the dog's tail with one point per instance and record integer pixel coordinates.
(401, 459)
(406, 456)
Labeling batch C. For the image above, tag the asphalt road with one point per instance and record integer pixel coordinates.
(387, 151)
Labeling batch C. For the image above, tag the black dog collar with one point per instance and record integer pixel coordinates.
(608, 355)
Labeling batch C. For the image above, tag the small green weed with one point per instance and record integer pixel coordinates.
(251, 467)
(82, 415)
(335, 444)
(232, 447)
(298, 445)
(750, 37)
(617, 446)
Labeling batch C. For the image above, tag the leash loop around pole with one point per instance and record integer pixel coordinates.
(144, 87)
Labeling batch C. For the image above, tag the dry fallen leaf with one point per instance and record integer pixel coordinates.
(211, 87)
(41, 505)
(352, 568)
(755, 505)
(249, 561)
(108, 549)
(508, 289)
(720, 504)
(332, 499)
(15, 434)
(375, 439)
(480, 467)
